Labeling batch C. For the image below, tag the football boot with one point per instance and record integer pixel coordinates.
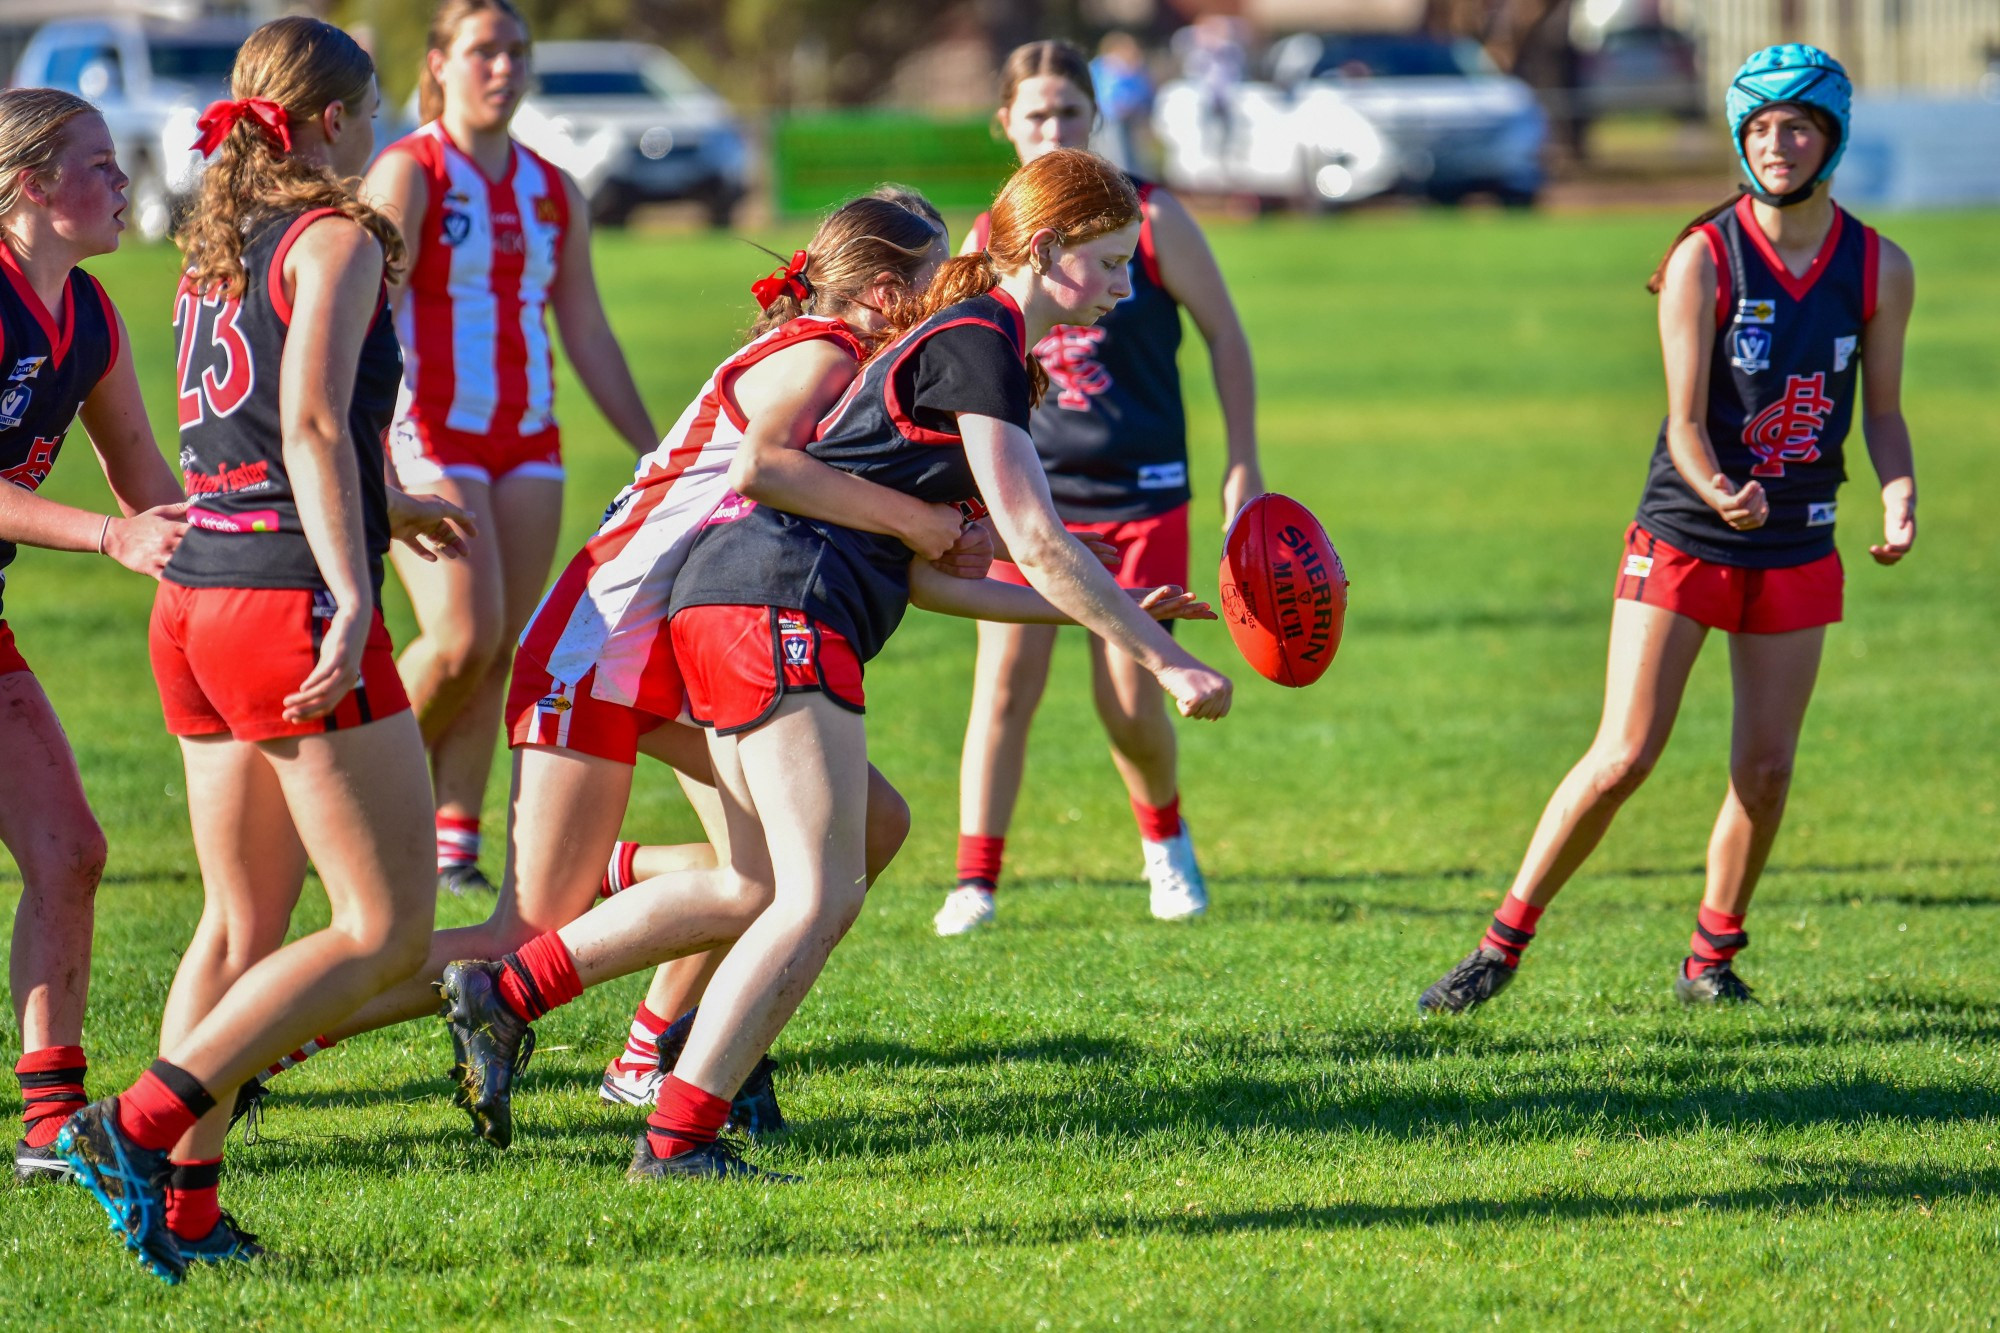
(463, 880)
(1477, 978)
(225, 1243)
(249, 1108)
(720, 1160)
(1715, 985)
(495, 1042)
(129, 1182)
(1179, 893)
(966, 908)
(35, 1165)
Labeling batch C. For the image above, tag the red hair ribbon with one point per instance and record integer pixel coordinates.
(222, 117)
(791, 279)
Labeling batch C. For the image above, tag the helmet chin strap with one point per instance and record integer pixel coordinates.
(1755, 189)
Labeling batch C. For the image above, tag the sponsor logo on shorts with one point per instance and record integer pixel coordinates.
(1843, 351)
(1638, 566)
(1750, 310)
(14, 406)
(1162, 476)
(26, 368)
(794, 638)
(1819, 515)
(1750, 350)
(553, 703)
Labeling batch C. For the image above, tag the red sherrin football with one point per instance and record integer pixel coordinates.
(1284, 591)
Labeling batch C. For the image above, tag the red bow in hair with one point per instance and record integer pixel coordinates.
(222, 117)
(791, 279)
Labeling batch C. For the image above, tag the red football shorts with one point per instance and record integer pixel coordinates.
(1729, 597)
(543, 711)
(740, 661)
(225, 658)
(1154, 550)
(10, 656)
(425, 453)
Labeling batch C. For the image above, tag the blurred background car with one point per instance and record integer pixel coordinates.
(634, 127)
(151, 77)
(1344, 116)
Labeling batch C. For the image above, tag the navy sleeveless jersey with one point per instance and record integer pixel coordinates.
(1112, 430)
(857, 583)
(1781, 387)
(50, 365)
(244, 528)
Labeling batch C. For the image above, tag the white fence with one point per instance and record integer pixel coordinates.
(1936, 46)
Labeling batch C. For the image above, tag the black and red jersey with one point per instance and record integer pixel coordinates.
(1112, 430)
(1781, 388)
(244, 528)
(49, 364)
(893, 427)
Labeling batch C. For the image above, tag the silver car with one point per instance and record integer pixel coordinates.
(1344, 116)
(150, 77)
(633, 126)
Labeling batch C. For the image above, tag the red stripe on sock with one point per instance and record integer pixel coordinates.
(50, 1058)
(1512, 914)
(979, 858)
(153, 1114)
(193, 1213)
(685, 1119)
(1703, 955)
(51, 1091)
(553, 972)
(1157, 823)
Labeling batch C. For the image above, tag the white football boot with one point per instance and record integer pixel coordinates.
(1179, 891)
(630, 1085)
(966, 908)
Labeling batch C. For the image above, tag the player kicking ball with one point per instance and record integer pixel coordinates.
(1770, 306)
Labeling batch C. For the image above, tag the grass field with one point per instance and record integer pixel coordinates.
(1085, 1119)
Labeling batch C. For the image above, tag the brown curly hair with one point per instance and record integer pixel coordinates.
(304, 66)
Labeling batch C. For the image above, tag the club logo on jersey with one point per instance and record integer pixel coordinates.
(1751, 311)
(454, 227)
(26, 368)
(1788, 430)
(34, 470)
(1639, 566)
(1750, 350)
(1821, 515)
(1069, 355)
(1843, 351)
(547, 212)
(1162, 476)
(14, 405)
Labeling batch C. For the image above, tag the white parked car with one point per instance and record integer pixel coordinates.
(633, 126)
(151, 78)
(1343, 117)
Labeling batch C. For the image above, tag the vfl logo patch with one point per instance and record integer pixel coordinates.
(1756, 312)
(1750, 350)
(1162, 476)
(14, 406)
(1843, 351)
(1788, 430)
(1820, 515)
(26, 368)
(456, 227)
(1639, 566)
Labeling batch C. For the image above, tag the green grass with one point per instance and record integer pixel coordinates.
(1083, 1118)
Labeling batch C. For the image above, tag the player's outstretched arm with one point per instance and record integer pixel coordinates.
(1010, 604)
(1687, 336)
(1882, 423)
(1188, 270)
(592, 348)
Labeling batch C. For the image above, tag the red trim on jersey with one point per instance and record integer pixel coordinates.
(787, 336)
(431, 274)
(111, 320)
(274, 281)
(1724, 284)
(1871, 259)
(58, 333)
(912, 432)
(504, 270)
(1795, 287)
(1148, 257)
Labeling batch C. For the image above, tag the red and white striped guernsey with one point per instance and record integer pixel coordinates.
(608, 608)
(474, 320)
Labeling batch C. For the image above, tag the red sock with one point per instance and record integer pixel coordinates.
(162, 1106)
(539, 976)
(618, 876)
(192, 1211)
(51, 1091)
(642, 1042)
(1718, 937)
(979, 860)
(686, 1118)
(1513, 928)
(457, 841)
(1157, 823)
(300, 1056)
